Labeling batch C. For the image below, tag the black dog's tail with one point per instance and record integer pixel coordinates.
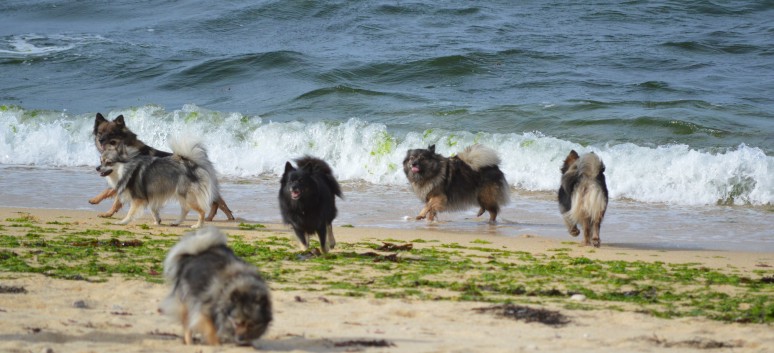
(318, 166)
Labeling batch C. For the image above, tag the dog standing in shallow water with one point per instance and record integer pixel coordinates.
(453, 183)
(214, 292)
(307, 199)
(583, 195)
(149, 181)
(114, 133)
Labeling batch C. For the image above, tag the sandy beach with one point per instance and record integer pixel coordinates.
(314, 310)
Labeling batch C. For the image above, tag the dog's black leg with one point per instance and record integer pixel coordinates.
(322, 233)
(301, 235)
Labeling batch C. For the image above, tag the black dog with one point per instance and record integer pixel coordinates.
(307, 200)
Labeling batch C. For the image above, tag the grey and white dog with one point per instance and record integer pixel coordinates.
(148, 181)
(214, 292)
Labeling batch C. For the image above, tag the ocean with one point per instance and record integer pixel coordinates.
(676, 97)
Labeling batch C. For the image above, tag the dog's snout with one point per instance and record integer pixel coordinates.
(99, 167)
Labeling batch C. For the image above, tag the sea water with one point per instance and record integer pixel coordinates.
(675, 97)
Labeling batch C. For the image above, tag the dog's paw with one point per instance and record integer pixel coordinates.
(596, 243)
(94, 201)
(574, 232)
(105, 215)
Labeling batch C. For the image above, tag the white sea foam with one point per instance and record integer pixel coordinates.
(30, 45)
(248, 147)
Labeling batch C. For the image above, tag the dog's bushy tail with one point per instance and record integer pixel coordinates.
(479, 156)
(191, 244)
(589, 165)
(207, 186)
(589, 193)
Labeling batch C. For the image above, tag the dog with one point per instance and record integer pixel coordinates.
(307, 199)
(583, 195)
(116, 132)
(214, 292)
(454, 183)
(187, 174)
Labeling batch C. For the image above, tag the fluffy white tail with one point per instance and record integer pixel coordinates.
(590, 165)
(478, 156)
(194, 151)
(588, 199)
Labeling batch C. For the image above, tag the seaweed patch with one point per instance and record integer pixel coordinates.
(527, 314)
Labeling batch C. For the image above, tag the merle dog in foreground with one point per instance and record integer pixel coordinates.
(307, 199)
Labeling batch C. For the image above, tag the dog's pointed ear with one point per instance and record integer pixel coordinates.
(98, 120)
(119, 120)
(431, 148)
(289, 167)
(571, 158)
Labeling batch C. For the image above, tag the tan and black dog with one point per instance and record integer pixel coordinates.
(470, 178)
(583, 195)
(115, 133)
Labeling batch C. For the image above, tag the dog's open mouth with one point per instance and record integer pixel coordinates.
(295, 194)
(415, 169)
(105, 172)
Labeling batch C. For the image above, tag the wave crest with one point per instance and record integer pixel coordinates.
(249, 147)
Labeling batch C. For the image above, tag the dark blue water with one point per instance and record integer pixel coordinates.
(647, 72)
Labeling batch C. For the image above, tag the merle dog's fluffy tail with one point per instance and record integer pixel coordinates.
(206, 176)
(191, 244)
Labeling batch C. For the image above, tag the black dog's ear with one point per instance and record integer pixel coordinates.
(431, 148)
(119, 120)
(289, 167)
(573, 154)
(99, 120)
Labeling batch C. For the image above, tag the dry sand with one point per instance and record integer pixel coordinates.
(120, 315)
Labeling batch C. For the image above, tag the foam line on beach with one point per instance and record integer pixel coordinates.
(250, 146)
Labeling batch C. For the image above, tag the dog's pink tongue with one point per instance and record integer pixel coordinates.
(295, 194)
(415, 169)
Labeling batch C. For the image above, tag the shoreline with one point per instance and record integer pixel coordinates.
(626, 224)
(340, 303)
